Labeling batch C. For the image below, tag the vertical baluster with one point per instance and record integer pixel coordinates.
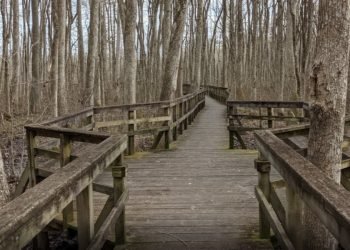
(174, 115)
(263, 167)
(85, 217)
(167, 132)
(131, 128)
(119, 173)
(65, 154)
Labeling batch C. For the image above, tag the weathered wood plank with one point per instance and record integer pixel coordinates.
(25, 216)
(328, 200)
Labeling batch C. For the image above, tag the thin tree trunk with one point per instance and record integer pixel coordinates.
(172, 62)
(34, 88)
(62, 93)
(92, 53)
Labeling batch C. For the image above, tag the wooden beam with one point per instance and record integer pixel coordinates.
(273, 219)
(85, 217)
(34, 209)
(328, 200)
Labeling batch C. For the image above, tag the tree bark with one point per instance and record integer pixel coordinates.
(62, 93)
(34, 88)
(129, 8)
(172, 61)
(92, 53)
(328, 84)
(4, 188)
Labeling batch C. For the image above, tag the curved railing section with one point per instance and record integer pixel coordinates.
(67, 154)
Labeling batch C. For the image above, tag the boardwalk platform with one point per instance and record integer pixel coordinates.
(198, 195)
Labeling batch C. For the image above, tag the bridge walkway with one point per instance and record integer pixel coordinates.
(197, 195)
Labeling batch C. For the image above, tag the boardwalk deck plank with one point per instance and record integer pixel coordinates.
(198, 195)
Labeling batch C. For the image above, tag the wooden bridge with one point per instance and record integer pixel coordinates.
(194, 193)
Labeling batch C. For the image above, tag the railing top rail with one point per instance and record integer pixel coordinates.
(217, 87)
(56, 120)
(73, 134)
(159, 104)
(25, 216)
(268, 104)
(328, 200)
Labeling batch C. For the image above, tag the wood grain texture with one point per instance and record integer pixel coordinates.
(197, 195)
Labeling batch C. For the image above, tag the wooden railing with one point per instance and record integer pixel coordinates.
(303, 183)
(26, 216)
(220, 94)
(262, 114)
(66, 154)
(159, 118)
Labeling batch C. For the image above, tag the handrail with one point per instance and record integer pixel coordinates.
(25, 216)
(326, 199)
(221, 94)
(30, 212)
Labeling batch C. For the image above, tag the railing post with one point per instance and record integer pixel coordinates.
(269, 114)
(167, 132)
(263, 167)
(189, 106)
(231, 139)
(41, 241)
(65, 153)
(181, 114)
(85, 217)
(174, 115)
(131, 128)
(186, 113)
(119, 173)
(294, 218)
(31, 143)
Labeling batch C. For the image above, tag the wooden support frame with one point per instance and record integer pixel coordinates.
(119, 174)
(131, 128)
(85, 217)
(263, 167)
(325, 198)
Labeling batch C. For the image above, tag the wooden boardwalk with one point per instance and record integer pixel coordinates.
(198, 195)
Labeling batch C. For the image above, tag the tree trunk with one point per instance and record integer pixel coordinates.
(15, 52)
(129, 8)
(92, 53)
(62, 93)
(172, 61)
(34, 88)
(328, 84)
(199, 36)
(80, 45)
(4, 188)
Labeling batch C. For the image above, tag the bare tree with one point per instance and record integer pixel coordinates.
(172, 61)
(329, 85)
(129, 14)
(34, 90)
(92, 52)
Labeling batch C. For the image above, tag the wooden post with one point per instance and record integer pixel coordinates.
(174, 109)
(131, 128)
(263, 167)
(232, 139)
(294, 218)
(181, 114)
(185, 113)
(41, 241)
(269, 114)
(167, 133)
(85, 217)
(31, 143)
(119, 173)
(65, 154)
